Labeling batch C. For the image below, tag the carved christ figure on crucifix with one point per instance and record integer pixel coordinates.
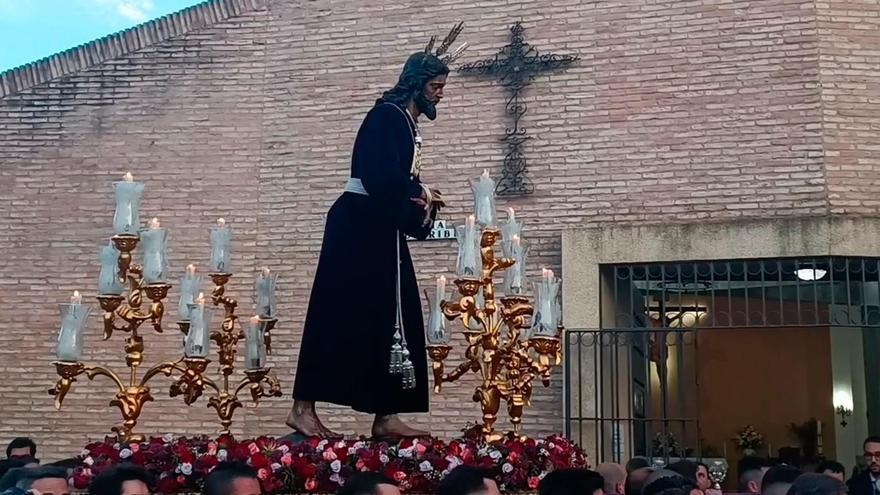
(515, 66)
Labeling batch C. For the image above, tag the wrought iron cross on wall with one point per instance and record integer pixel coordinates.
(515, 66)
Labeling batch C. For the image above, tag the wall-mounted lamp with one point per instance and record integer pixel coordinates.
(843, 405)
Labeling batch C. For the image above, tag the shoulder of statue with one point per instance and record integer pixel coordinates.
(388, 113)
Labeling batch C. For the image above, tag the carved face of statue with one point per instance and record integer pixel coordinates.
(431, 96)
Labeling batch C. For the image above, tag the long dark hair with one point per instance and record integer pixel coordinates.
(420, 68)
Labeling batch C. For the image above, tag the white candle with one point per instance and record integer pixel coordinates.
(69, 347)
(467, 264)
(255, 346)
(190, 285)
(108, 277)
(221, 237)
(513, 277)
(484, 200)
(126, 217)
(197, 342)
(155, 244)
(264, 293)
(511, 217)
(441, 286)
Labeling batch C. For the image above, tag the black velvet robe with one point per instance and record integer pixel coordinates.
(349, 327)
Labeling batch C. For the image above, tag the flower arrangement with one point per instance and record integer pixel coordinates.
(321, 466)
(665, 444)
(748, 439)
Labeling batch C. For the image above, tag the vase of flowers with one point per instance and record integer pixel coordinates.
(749, 440)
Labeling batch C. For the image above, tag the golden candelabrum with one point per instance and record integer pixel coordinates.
(127, 314)
(502, 344)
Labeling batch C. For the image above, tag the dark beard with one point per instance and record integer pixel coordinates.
(426, 107)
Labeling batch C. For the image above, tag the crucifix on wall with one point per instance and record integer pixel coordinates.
(515, 66)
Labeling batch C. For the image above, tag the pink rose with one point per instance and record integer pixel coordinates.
(212, 448)
(329, 455)
(253, 449)
(134, 447)
(263, 473)
(421, 448)
(287, 459)
(399, 476)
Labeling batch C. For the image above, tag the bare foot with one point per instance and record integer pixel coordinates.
(391, 426)
(304, 419)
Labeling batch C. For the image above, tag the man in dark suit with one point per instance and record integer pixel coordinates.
(868, 482)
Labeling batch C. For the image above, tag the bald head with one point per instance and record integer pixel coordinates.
(636, 481)
(614, 476)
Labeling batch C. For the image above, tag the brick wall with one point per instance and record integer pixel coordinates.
(849, 66)
(677, 112)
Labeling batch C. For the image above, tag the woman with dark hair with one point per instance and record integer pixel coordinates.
(368, 352)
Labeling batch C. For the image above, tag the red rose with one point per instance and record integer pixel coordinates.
(454, 449)
(399, 476)
(311, 484)
(259, 461)
(167, 485)
(533, 482)
(81, 481)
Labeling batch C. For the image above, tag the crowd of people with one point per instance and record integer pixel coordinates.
(22, 474)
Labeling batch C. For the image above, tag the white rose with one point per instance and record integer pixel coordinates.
(337, 479)
(383, 459)
(551, 445)
(284, 449)
(352, 451)
(168, 438)
(426, 467)
(84, 453)
(186, 469)
(336, 466)
(124, 454)
(276, 466)
(321, 445)
(221, 455)
(359, 444)
(483, 451)
(405, 453)
(88, 461)
(340, 445)
(453, 461)
(506, 468)
(495, 455)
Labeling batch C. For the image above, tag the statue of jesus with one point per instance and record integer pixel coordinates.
(366, 349)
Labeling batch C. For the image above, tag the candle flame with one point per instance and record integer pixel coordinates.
(265, 271)
(190, 269)
(221, 222)
(201, 299)
(128, 177)
(486, 173)
(76, 298)
(154, 223)
(442, 279)
(255, 320)
(471, 220)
